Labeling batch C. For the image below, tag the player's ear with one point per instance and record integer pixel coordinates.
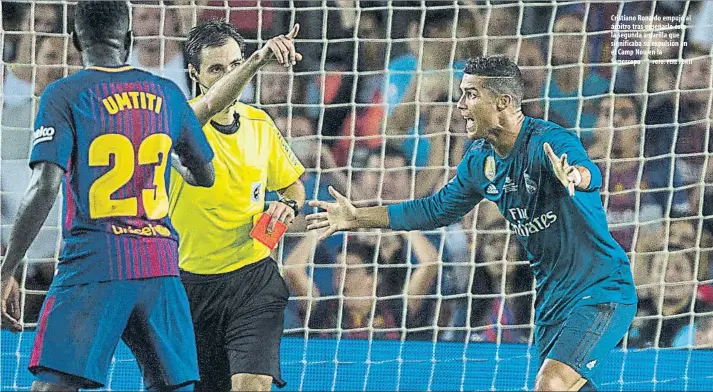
(193, 73)
(503, 101)
(75, 41)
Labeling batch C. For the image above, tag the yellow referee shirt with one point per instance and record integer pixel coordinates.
(214, 223)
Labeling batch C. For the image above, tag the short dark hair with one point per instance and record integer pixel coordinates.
(207, 35)
(366, 252)
(101, 22)
(438, 18)
(502, 75)
(632, 98)
(392, 151)
(26, 12)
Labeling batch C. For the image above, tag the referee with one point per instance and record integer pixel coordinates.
(235, 290)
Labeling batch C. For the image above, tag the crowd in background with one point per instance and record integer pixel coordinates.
(370, 111)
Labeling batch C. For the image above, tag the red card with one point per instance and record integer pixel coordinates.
(260, 233)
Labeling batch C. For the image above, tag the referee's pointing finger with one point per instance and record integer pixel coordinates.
(294, 31)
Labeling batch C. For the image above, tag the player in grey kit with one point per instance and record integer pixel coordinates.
(544, 184)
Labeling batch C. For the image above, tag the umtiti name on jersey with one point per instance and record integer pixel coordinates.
(132, 100)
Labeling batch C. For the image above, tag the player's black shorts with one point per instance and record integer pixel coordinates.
(238, 320)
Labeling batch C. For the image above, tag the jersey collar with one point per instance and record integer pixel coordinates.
(120, 68)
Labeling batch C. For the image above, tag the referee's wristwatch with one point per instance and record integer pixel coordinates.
(290, 203)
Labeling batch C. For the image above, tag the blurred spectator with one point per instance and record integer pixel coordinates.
(317, 160)
(358, 279)
(362, 120)
(469, 30)
(41, 18)
(501, 285)
(52, 63)
(330, 41)
(677, 288)
(436, 79)
(432, 174)
(699, 332)
(502, 28)
(688, 108)
(386, 179)
(532, 65)
(278, 88)
(17, 135)
(508, 279)
(486, 31)
(12, 16)
(250, 17)
(658, 77)
(157, 48)
(571, 73)
(392, 254)
(665, 283)
(618, 148)
(694, 117)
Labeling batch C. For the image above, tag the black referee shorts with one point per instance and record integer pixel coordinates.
(238, 320)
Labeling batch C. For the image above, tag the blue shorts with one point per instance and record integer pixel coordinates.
(586, 337)
(80, 327)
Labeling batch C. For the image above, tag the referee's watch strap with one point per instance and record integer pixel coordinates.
(290, 203)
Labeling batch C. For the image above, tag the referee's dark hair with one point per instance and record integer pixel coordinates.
(500, 75)
(207, 35)
(104, 23)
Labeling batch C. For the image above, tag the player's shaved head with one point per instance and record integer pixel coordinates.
(500, 75)
(102, 23)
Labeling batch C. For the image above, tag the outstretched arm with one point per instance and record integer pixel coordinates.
(226, 90)
(36, 205)
(448, 205)
(343, 216)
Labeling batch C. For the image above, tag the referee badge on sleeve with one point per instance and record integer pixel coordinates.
(490, 168)
(255, 192)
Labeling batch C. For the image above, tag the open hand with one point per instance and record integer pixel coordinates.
(11, 304)
(281, 49)
(568, 175)
(339, 216)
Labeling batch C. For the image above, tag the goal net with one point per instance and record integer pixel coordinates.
(371, 111)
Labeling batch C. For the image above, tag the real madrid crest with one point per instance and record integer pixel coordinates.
(490, 168)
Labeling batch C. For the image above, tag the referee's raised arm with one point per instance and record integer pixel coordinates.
(226, 90)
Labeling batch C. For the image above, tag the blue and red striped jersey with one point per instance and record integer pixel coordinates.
(112, 130)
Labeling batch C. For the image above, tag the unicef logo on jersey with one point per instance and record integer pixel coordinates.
(42, 134)
(526, 226)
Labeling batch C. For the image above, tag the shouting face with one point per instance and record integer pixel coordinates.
(478, 108)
